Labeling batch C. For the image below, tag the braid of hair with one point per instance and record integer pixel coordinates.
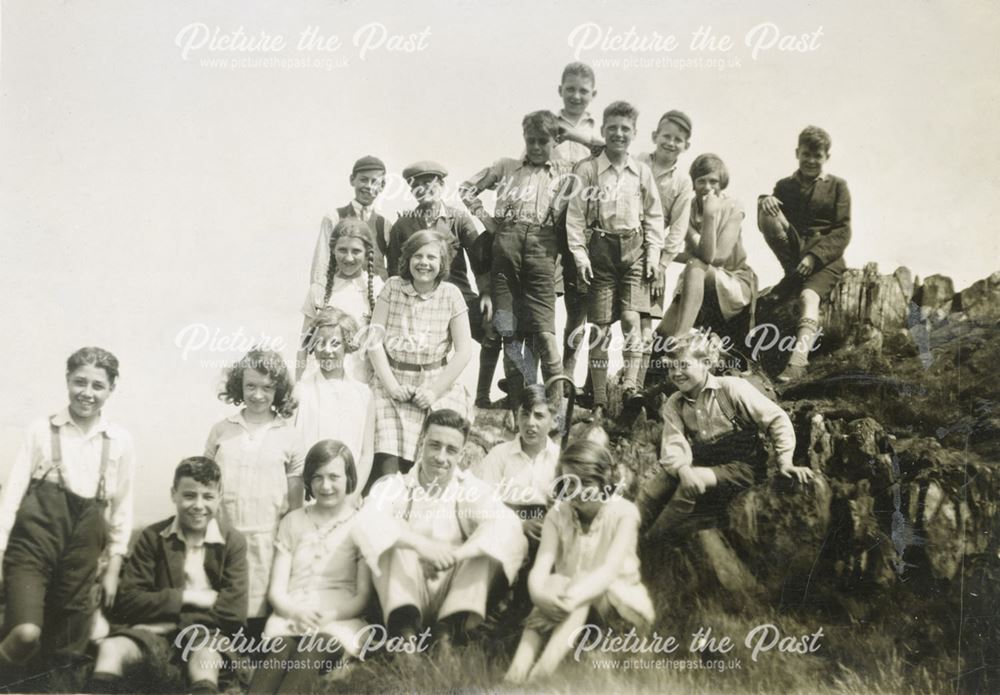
(371, 289)
(331, 270)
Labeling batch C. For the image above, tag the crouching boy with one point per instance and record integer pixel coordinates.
(184, 571)
(711, 441)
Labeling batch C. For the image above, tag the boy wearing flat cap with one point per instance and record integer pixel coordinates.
(368, 180)
(426, 181)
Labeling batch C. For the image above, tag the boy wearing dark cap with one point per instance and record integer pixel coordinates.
(426, 181)
(368, 180)
(672, 138)
(807, 223)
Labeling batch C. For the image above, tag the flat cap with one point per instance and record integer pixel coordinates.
(424, 168)
(368, 163)
(679, 119)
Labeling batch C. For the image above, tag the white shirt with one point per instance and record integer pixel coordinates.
(81, 468)
(520, 478)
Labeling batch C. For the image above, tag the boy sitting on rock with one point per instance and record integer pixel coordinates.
(711, 437)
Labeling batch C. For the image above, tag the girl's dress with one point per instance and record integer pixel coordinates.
(323, 575)
(735, 281)
(341, 409)
(350, 295)
(581, 552)
(68, 499)
(256, 465)
(417, 342)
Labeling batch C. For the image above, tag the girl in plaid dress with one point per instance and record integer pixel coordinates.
(418, 320)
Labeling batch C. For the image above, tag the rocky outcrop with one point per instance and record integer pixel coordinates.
(899, 418)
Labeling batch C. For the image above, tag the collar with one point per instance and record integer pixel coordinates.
(801, 179)
(550, 446)
(63, 418)
(408, 288)
(584, 118)
(359, 208)
(711, 383)
(525, 164)
(213, 534)
(238, 419)
(361, 279)
(604, 163)
(411, 479)
(647, 158)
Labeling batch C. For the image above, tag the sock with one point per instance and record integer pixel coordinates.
(204, 687)
(632, 359)
(108, 683)
(803, 342)
(489, 355)
(599, 373)
(647, 354)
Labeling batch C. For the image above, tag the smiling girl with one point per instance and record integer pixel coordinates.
(319, 583)
(68, 495)
(260, 455)
(716, 263)
(418, 320)
(351, 285)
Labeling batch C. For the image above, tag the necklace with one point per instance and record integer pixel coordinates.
(325, 530)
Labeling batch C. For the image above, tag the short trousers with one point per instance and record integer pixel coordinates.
(523, 278)
(617, 285)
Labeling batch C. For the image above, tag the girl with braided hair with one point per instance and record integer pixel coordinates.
(351, 286)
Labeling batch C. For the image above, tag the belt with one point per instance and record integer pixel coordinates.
(410, 367)
(621, 234)
(527, 226)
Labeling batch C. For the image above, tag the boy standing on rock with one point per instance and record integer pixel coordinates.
(711, 442)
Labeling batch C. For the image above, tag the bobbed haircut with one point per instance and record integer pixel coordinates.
(269, 363)
(708, 163)
(590, 463)
(323, 452)
(413, 244)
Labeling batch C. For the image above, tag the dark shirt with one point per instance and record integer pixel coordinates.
(459, 228)
(820, 211)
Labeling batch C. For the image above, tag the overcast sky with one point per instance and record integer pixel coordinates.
(164, 177)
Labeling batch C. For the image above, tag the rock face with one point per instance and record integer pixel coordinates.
(899, 418)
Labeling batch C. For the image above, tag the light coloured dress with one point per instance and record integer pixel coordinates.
(416, 333)
(341, 409)
(256, 465)
(323, 574)
(735, 281)
(580, 553)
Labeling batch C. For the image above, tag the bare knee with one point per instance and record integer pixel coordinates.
(22, 642)
(630, 321)
(695, 266)
(809, 303)
(25, 636)
(772, 225)
(114, 653)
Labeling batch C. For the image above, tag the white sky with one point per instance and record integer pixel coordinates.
(143, 192)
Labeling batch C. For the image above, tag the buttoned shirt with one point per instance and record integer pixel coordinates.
(525, 192)
(81, 471)
(676, 193)
(619, 199)
(519, 477)
(705, 421)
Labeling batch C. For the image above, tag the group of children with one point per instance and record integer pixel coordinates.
(391, 318)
